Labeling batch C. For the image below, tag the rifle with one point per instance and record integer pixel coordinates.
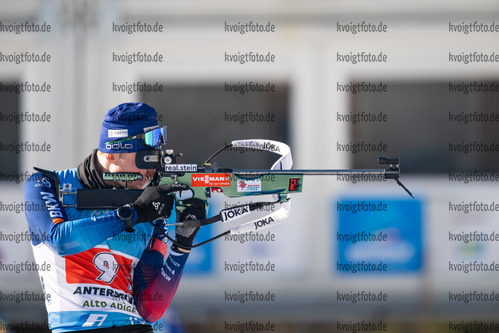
(279, 181)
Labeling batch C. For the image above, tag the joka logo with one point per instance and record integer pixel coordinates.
(235, 213)
(263, 222)
(270, 146)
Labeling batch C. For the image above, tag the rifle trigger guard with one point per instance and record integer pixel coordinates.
(179, 196)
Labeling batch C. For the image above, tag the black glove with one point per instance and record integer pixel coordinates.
(184, 236)
(155, 202)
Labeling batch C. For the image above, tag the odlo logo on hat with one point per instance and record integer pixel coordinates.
(126, 120)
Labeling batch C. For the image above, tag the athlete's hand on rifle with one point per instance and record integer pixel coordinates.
(155, 202)
(184, 236)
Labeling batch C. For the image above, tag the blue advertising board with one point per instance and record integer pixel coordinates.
(377, 236)
(201, 259)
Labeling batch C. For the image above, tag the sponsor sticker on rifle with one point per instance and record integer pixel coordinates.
(249, 185)
(210, 179)
(181, 167)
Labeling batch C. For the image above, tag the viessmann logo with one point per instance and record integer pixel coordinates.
(211, 179)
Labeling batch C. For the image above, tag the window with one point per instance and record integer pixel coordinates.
(9, 135)
(428, 126)
(200, 119)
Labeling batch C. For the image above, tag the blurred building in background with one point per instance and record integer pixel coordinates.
(415, 86)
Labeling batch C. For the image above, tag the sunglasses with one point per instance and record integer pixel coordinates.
(154, 138)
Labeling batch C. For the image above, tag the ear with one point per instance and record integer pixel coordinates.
(110, 158)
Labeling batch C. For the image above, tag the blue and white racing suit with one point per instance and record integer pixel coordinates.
(97, 275)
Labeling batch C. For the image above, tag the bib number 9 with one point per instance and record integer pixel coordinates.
(107, 265)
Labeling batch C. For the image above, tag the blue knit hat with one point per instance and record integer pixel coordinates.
(123, 121)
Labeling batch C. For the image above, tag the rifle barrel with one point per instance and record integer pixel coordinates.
(312, 172)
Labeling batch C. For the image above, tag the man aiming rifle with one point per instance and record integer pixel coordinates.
(98, 281)
(130, 185)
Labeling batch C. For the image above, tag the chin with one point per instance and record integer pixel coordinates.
(137, 186)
